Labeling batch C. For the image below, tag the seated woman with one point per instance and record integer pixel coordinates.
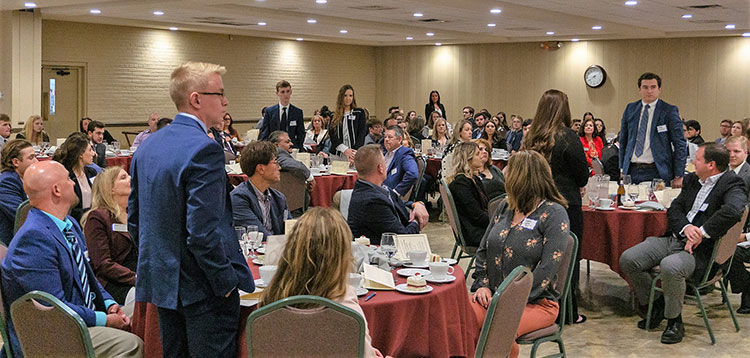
(112, 253)
(317, 134)
(592, 144)
(440, 135)
(320, 235)
(468, 192)
(417, 129)
(493, 179)
(76, 155)
(33, 131)
(229, 132)
(529, 228)
(493, 137)
(461, 134)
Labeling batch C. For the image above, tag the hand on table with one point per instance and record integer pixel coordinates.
(694, 237)
(483, 296)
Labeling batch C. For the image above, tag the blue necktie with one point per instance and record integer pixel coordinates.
(81, 266)
(640, 139)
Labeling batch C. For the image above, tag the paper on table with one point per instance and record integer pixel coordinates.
(304, 158)
(378, 279)
(252, 134)
(406, 243)
(426, 145)
(234, 168)
(744, 244)
(274, 248)
(289, 225)
(339, 167)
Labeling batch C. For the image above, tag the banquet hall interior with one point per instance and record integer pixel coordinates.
(111, 61)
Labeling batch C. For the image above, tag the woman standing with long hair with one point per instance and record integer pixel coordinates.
(434, 105)
(348, 127)
(551, 136)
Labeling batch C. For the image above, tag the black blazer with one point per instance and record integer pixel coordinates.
(471, 204)
(726, 202)
(101, 155)
(357, 128)
(77, 211)
(611, 161)
(570, 170)
(377, 210)
(428, 109)
(294, 124)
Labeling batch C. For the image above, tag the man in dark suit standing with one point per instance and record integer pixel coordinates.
(712, 200)
(96, 138)
(651, 137)
(738, 276)
(190, 264)
(17, 156)
(284, 116)
(379, 209)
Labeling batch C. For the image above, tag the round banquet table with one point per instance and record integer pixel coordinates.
(607, 234)
(124, 161)
(437, 324)
(325, 186)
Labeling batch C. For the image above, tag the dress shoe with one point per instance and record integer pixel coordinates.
(745, 305)
(674, 332)
(657, 314)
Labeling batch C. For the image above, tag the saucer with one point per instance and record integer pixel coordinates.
(444, 279)
(604, 209)
(261, 250)
(628, 207)
(410, 265)
(258, 262)
(413, 271)
(402, 288)
(449, 261)
(361, 291)
(259, 283)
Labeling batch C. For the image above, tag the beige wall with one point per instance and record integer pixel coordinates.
(707, 78)
(128, 69)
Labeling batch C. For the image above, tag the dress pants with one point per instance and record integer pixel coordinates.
(643, 175)
(203, 329)
(738, 276)
(676, 266)
(115, 343)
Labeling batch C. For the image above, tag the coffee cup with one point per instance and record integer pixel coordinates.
(355, 280)
(418, 257)
(605, 203)
(266, 273)
(440, 270)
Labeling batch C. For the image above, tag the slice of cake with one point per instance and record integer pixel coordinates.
(435, 258)
(416, 283)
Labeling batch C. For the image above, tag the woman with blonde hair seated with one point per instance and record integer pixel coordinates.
(468, 192)
(113, 254)
(529, 228)
(317, 261)
(492, 177)
(33, 131)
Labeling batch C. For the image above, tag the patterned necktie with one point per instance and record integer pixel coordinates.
(640, 139)
(283, 123)
(81, 266)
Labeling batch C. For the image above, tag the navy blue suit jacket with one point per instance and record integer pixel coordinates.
(667, 141)
(39, 259)
(294, 125)
(11, 196)
(246, 209)
(375, 210)
(403, 172)
(180, 214)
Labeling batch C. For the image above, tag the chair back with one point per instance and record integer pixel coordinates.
(43, 322)
(294, 189)
(421, 166)
(597, 165)
(450, 211)
(504, 314)
(127, 136)
(725, 246)
(494, 203)
(330, 330)
(21, 212)
(3, 317)
(341, 201)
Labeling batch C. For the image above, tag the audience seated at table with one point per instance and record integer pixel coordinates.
(48, 254)
(480, 119)
(491, 135)
(694, 132)
(112, 253)
(153, 119)
(417, 128)
(738, 275)
(592, 145)
(5, 129)
(468, 192)
(76, 155)
(441, 136)
(515, 134)
(725, 129)
(492, 177)
(163, 122)
(378, 209)
(461, 134)
(529, 228)
(83, 127)
(317, 135)
(374, 131)
(601, 130)
(254, 202)
(96, 137)
(711, 201)
(17, 155)
(229, 131)
(399, 162)
(284, 157)
(320, 235)
(33, 131)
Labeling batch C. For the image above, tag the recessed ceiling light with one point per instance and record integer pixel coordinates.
(158, 12)
(496, 11)
(550, 32)
(687, 16)
(409, 38)
(262, 24)
(729, 27)
(311, 21)
(29, 4)
(173, 28)
(491, 25)
(321, 1)
(631, 3)
(574, 40)
(430, 34)
(438, 44)
(95, 11)
(299, 39)
(418, 14)
(597, 27)
(747, 34)
(343, 31)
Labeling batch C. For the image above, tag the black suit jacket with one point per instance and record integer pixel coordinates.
(77, 211)
(472, 215)
(294, 124)
(375, 210)
(357, 129)
(429, 108)
(570, 170)
(725, 205)
(101, 155)
(611, 161)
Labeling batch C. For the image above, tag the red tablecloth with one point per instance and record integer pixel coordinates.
(500, 163)
(607, 234)
(438, 324)
(124, 162)
(325, 186)
(433, 167)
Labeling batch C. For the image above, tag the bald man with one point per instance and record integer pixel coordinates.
(49, 253)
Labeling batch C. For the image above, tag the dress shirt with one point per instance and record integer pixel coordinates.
(141, 137)
(707, 186)
(739, 167)
(346, 141)
(647, 156)
(389, 157)
(265, 207)
(200, 122)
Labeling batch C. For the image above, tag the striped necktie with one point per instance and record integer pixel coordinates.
(640, 139)
(81, 266)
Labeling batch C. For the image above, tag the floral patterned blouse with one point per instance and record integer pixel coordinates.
(538, 242)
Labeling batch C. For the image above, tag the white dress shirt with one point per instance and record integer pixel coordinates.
(646, 156)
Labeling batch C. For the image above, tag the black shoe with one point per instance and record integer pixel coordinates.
(745, 305)
(657, 314)
(674, 332)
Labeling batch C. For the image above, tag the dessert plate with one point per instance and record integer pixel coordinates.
(450, 261)
(411, 265)
(444, 279)
(361, 291)
(412, 271)
(402, 288)
(259, 283)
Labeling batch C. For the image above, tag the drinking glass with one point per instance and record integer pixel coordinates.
(388, 244)
(418, 148)
(604, 186)
(116, 145)
(254, 240)
(633, 191)
(241, 237)
(593, 191)
(626, 180)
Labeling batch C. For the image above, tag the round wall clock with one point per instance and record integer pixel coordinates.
(594, 76)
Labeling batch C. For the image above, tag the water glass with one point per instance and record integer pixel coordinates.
(593, 191)
(626, 180)
(241, 237)
(388, 244)
(604, 186)
(253, 240)
(116, 145)
(633, 191)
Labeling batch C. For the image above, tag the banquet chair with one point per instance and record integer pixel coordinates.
(42, 322)
(723, 252)
(329, 329)
(464, 252)
(127, 135)
(21, 212)
(413, 193)
(597, 166)
(294, 189)
(492, 205)
(3, 327)
(553, 333)
(504, 314)
(341, 201)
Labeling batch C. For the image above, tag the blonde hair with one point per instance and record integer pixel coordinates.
(529, 179)
(317, 259)
(742, 141)
(488, 148)
(461, 161)
(191, 77)
(457, 131)
(434, 129)
(101, 194)
(338, 114)
(28, 130)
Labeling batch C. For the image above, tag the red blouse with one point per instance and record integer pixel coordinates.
(592, 152)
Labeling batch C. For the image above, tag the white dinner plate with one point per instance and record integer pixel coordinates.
(360, 291)
(261, 250)
(628, 207)
(605, 209)
(258, 262)
(412, 271)
(250, 302)
(445, 279)
(259, 283)
(450, 261)
(402, 288)
(410, 265)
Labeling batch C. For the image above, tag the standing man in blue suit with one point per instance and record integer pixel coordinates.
(284, 116)
(190, 264)
(399, 161)
(17, 155)
(651, 138)
(49, 254)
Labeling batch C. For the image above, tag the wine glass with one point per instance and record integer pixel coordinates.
(593, 191)
(633, 191)
(626, 180)
(388, 244)
(254, 240)
(241, 237)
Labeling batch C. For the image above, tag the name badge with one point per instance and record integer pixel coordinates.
(662, 128)
(703, 207)
(394, 171)
(585, 149)
(119, 228)
(293, 123)
(528, 224)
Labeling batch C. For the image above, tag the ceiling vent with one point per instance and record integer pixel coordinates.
(707, 21)
(224, 21)
(523, 28)
(373, 8)
(702, 7)
(432, 21)
(379, 35)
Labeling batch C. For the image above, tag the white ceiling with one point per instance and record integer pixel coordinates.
(389, 22)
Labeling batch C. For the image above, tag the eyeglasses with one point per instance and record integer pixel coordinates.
(220, 94)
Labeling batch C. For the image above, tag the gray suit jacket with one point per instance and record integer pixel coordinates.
(101, 155)
(745, 175)
(289, 164)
